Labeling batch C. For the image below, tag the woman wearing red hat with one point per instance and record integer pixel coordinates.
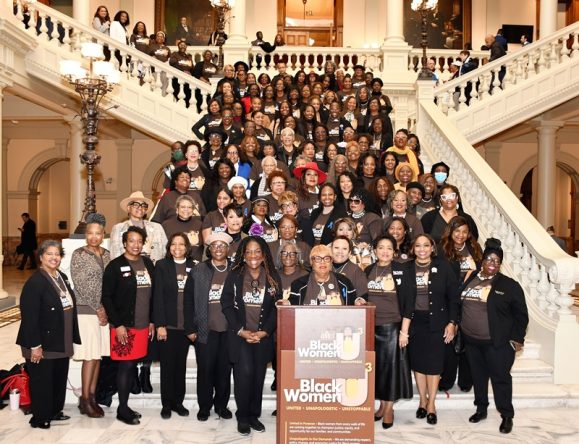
(310, 176)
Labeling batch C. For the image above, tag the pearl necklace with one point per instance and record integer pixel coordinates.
(217, 268)
(483, 278)
(460, 249)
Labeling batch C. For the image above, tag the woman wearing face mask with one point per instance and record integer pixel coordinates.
(440, 171)
(435, 222)
(494, 321)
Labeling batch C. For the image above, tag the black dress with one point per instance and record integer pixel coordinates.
(436, 305)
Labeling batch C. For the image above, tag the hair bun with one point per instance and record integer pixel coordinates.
(492, 243)
(96, 218)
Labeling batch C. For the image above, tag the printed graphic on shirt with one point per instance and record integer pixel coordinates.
(193, 237)
(215, 293)
(181, 280)
(421, 279)
(382, 284)
(254, 297)
(143, 279)
(478, 293)
(467, 263)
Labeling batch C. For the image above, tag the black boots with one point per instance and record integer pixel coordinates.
(145, 379)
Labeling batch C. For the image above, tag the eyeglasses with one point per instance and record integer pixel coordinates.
(231, 153)
(320, 259)
(291, 254)
(446, 197)
(285, 206)
(490, 260)
(218, 246)
(142, 205)
(278, 183)
(355, 201)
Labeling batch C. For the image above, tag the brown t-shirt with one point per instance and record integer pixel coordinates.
(215, 221)
(288, 279)
(181, 276)
(467, 263)
(253, 293)
(318, 227)
(382, 293)
(192, 229)
(325, 293)
(422, 299)
(197, 179)
(475, 319)
(369, 226)
(144, 292)
(356, 276)
(275, 213)
(309, 204)
(216, 318)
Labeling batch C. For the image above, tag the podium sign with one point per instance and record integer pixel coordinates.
(325, 375)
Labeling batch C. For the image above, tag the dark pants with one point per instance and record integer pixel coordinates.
(454, 362)
(28, 254)
(47, 387)
(487, 361)
(248, 377)
(173, 353)
(213, 372)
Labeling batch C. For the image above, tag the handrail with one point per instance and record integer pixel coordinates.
(546, 273)
(496, 65)
(126, 51)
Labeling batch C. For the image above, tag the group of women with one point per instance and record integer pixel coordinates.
(313, 202)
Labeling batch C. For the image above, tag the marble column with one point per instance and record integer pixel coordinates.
(237, 45)
(76, 169)
(3, 293)
(124, 173)
(394, 21)
(81, 11)
(548, 17)
(546, 172)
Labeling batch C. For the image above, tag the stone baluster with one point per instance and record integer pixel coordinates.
(32, 20)
(66, 40)
(519, 70)
(54, 33)
(534, 276)
(181, 95)
(461, 98)
(123, 68)
(42, 17)
(554, 56)
(147, 78)
(485, 78)
(525, 265)
(541, 63)
(531, 69)
(543, 288)
(474, 91)
(134, 69)
(575, 46)
(564, 300)
(203, 103)
(552, 298)
(564, 49)
(170, 89)
(19, 13)
(496, 81)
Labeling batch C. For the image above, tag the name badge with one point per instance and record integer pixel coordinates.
(126, 268)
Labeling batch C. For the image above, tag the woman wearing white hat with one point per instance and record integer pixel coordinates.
(136, 205)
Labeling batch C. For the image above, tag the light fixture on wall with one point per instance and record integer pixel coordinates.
(424, 7)
(223, 8)
(92, 85)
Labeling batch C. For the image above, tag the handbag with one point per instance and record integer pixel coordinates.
(458, 342)
(18, 380)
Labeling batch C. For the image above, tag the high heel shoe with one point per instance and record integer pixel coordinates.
(421, 413)
(387, 425)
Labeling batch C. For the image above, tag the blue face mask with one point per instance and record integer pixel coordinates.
(177, 155)
(440, 177)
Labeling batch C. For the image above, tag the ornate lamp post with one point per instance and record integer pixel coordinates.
(223, 7)
(92, 85)
(424, 7)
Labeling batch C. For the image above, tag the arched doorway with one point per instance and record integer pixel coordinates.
(48, 197)
(566, 202)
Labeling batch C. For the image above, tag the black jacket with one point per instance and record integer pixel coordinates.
(405, 283)
(165, 292)
(507, 310)
(196, 300)
(442, 293)
(327, 236)
(299, 288)
(42, 315)
(234, 311)
(120, 291)
(429, 218)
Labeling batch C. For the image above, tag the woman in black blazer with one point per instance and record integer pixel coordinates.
(433, 322)
(494, 321)
(323, 218)
(168, 316)
(205, 322)
(391, 288)
(127, 289)
(249, 298)
(48, 329)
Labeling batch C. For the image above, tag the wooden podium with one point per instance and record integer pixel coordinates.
(325, 374)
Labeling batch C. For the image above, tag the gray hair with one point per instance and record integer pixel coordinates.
(46, 244)
(187, 198)
(96, 218)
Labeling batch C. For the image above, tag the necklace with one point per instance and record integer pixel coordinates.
(462, 248)
(386, 269)
(217, 268)
(426, 264)
(427, 200)
(341, 269)
(483, 278)
(57, 280)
